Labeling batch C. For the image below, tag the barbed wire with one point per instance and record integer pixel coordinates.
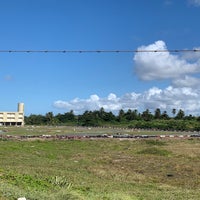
(100, 51)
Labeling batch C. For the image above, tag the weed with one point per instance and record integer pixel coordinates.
(26, 181)
(60, 181)
(3, 139)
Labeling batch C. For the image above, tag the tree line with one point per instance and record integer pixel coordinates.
(130, 119)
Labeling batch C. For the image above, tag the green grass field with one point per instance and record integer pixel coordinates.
(98, 169)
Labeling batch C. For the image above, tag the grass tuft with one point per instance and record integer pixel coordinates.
(155, 151)
(155, 142)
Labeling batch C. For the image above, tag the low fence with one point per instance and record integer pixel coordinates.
(102, 136)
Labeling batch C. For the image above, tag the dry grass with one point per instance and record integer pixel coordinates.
(100, 169)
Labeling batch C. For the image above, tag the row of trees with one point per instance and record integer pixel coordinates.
(130, 118)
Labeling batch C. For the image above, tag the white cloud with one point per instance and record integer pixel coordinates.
(162, 65)
(112, 97)
(187, 81)
(192, 56)
(194, 2)
(166, 99)
(62, 104)
(172, 97)
(93, 98)
(92, 103)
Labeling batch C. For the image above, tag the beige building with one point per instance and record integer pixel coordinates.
(13, 118)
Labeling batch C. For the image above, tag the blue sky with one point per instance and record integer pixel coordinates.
(60, 82)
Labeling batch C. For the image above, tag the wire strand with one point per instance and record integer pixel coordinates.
(100, 51)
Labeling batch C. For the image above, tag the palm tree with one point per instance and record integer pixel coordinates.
(180, 114)
(157, 113)
(174, 111)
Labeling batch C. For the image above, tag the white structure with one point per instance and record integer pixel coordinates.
(13, 118)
